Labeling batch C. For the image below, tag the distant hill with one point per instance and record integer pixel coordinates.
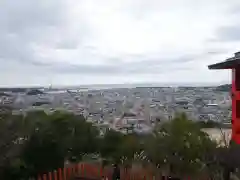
(4, 94)
(224, 87)
(18, 89)
(34, 92)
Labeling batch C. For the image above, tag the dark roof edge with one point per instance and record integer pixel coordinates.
(228, 64)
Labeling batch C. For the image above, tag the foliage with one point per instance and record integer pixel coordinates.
(49, 140)
(130, 146)
(45, 142)
(180, 146)
(11, 129)
(110, 145)
(224, 88)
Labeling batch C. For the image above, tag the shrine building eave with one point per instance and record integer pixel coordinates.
(229, 63)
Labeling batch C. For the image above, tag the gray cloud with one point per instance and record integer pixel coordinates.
(215, 51)
(24, 23)
(229, 33)
(18, 16)
(151, 66)
(28, 24)
(67, 44)
(39, 35)
(234, 10)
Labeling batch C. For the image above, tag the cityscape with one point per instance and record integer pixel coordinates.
(126, 109)
(119, 89)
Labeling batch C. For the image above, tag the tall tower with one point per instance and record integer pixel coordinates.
(233, 63)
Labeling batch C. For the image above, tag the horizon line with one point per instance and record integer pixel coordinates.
(195, 84)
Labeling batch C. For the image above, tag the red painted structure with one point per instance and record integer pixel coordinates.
(95, 172)
(233, 64)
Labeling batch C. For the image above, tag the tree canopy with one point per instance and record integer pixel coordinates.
(181, 146)
(40, 142)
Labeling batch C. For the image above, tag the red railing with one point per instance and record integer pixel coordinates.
(90, 171)
(95, 172)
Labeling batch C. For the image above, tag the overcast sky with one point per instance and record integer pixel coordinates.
(73, 42)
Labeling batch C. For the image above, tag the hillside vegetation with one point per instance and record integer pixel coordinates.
(38, 143)
(225, 88)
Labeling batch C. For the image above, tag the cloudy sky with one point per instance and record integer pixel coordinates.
(73, 42)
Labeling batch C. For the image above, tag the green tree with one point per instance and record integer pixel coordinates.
(129, 148)
(54, 138)
(38, 143)
(12, 133)
(180, 145)
(111, 142)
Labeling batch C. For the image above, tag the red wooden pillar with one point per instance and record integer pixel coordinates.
(69, 172)
(55, 175)
(50, 176)
(60, 175)
(64, 173)
(44, 177)
(233, 64)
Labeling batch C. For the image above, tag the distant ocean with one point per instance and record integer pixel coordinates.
(133, 85)
(113, 86)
